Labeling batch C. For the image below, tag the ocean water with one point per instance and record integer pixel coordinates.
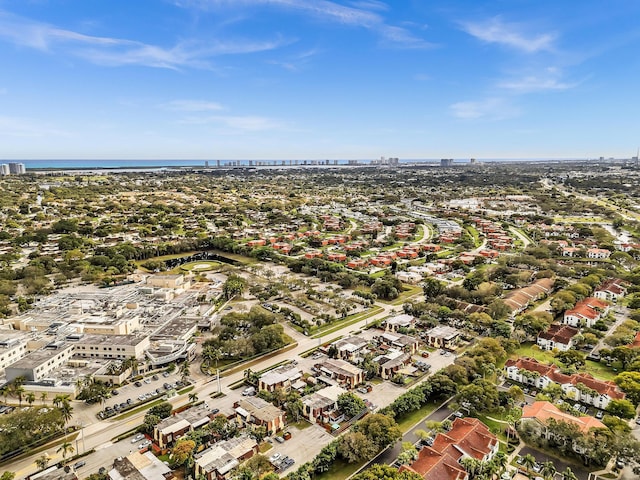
(82, 164)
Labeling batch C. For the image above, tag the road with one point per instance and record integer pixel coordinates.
(98, 435)
(390, 454)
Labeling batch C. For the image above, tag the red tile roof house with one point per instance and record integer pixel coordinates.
(598, 253)
(636, 341)
(468, 437)
(539, 413)
(557, 336)
(357, 263)
(256, 243)
(529, 371)
(611, 290)
(586, 313)
(337, 257)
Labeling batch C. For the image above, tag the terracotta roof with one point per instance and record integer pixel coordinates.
(559, 333)
(552, 373)
(544, 411)
(636, 341)
(468, 436)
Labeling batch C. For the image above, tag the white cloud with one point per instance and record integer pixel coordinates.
(369, 4)
(242, 123)
(548, 79)
(358, 15)
(23, 127)
(118, 52)
(192, 106)
(535, 84)
(512, 35)
(490, 108)
(295, 63)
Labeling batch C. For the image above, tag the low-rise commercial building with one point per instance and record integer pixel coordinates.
(217, 462)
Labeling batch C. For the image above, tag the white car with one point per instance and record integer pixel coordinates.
(137, 438)
(145, 444)
(274, 457)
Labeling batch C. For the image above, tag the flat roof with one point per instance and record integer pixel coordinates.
(34, 359)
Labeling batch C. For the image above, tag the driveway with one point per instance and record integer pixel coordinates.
(581, 472)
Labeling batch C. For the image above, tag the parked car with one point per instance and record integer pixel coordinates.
(165, 374)
(214, 411)
(138, 384)
(79, 464)
(155, 377)
(137, 438)
(145, 444)
(279, 439)
(599, 414)
(115, 392)
(274, 457)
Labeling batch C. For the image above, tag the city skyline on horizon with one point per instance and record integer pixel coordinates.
(318, 79)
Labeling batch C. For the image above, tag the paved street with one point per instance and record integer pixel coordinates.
(389, 455)
(581, 472)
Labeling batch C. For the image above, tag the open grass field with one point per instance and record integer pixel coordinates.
(598, 370)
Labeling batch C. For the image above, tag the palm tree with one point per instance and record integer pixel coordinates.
(193, 397)
(4, 391)
(65, 448)
(31, 397)
(185, 370)
(66, 410)
(59, 399)
(500, 461)
(569, 475)
(42, 461)
(472, 465)
(18, 391)
(528, 461)
(548, 470)
(43, 397)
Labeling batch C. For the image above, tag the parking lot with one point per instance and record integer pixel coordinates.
(581, 472)
(303, 445)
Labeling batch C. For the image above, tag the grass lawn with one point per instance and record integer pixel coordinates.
(412, 418)
(301, 425)
(345, 322)
(406, 294)
(598, 370)
(265, 447)
(139, 409)
(340, 470)
(496, 428)
(200, 266)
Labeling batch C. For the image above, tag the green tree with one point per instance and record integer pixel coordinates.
(380, 429)
(629, 383)
(65, 449)
(548, 470)
(385, 472)
(182, 451)
(621, 408)
(356, 447)
(234, 285)
(42, 461)
(350, 404)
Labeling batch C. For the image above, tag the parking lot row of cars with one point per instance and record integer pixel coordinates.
(281, 463)
(110, 411)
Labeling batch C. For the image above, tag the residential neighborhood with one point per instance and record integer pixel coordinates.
(317, 327)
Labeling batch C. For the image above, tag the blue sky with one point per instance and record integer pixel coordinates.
(315, 79)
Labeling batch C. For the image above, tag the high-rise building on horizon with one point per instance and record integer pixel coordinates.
(12, 168)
